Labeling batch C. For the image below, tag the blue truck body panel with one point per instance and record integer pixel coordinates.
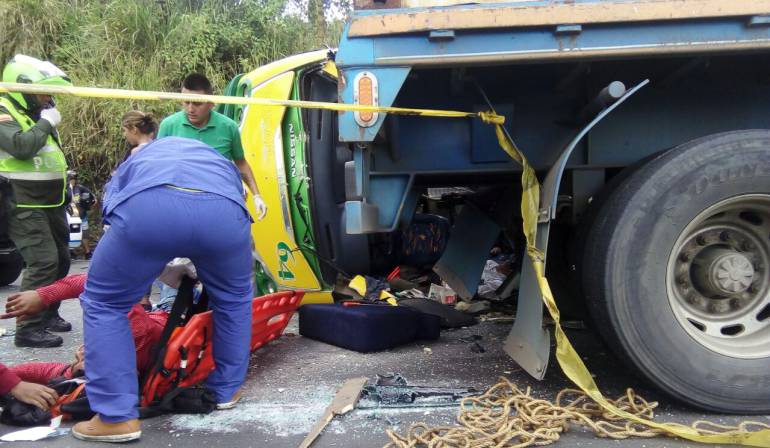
(526, 72)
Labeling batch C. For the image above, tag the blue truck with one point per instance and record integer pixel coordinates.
(646, 121)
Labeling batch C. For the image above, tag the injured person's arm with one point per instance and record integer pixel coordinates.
(34, 394)
(69, 287)
(31, 302)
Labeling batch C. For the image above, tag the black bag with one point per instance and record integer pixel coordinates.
(183, 400)
(79, 409)
(192, 400)
(64, 386)
(17, 413)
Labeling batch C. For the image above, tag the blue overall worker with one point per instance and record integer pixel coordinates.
(160, 206)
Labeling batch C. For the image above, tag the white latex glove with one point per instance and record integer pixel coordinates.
(259, 207)
(51, 115)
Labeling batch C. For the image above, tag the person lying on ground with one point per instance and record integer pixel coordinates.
(26, 392)
(146, 327)
(45, 372)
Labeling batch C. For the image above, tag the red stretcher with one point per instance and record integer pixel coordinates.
(188, 358)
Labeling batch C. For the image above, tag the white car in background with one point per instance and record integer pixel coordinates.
(76, 233)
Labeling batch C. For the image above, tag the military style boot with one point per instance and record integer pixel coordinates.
(36, 337)
(57, 324)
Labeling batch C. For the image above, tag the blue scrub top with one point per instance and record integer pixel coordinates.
(176, 161)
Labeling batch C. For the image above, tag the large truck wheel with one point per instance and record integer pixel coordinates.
(11, 265)
(577, 246)
(677, 271)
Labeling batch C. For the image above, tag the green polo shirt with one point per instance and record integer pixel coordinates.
(221, 133)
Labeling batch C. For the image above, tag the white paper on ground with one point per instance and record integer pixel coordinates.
(33, 434)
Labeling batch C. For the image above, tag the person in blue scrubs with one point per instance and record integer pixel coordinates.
(177, 197)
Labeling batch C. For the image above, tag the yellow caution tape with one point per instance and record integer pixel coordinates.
(122, 94)
(570, 362)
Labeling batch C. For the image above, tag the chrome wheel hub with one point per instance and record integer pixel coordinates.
(718, 282)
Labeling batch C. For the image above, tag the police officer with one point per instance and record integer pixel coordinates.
(32, 161)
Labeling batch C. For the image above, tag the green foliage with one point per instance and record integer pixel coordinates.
(145, 45)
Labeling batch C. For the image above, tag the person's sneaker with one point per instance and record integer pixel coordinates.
(37, 338)
(95, 430)
(230, 404)
(58, 325)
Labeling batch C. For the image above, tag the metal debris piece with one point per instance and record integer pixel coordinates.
(392, 391)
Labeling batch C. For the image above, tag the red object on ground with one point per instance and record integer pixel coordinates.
(8, 380)
(146, 327)
(65, 399)
(189, 358)
(394, 273)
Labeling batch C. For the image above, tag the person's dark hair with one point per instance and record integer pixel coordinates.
(198, 82)
(145, 122)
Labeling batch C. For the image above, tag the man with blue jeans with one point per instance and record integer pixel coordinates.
(161, 206)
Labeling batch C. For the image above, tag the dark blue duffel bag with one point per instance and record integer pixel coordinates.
(366, 328)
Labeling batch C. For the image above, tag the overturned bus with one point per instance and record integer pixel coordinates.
(645, 120)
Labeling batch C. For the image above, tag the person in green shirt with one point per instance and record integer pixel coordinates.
(199, 121)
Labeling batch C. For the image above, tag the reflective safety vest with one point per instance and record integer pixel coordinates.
(48, 164)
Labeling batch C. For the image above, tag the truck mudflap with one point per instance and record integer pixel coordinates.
(528, 343)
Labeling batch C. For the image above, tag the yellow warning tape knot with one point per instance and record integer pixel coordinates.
(490, 117)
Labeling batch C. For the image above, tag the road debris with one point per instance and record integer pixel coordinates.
(393, 391)
(344, 402)
(37, 433)
(506, 416)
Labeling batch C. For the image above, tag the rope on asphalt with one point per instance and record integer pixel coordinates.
(506, 416)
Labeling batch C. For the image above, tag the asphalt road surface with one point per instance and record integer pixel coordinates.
(292, 380)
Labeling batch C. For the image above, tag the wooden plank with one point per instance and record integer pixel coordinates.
(464, 17)
(344, 402)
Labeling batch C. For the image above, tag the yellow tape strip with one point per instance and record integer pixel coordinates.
(569, 360)
(94, 92)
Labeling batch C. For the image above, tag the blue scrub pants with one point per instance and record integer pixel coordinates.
(147, 231)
